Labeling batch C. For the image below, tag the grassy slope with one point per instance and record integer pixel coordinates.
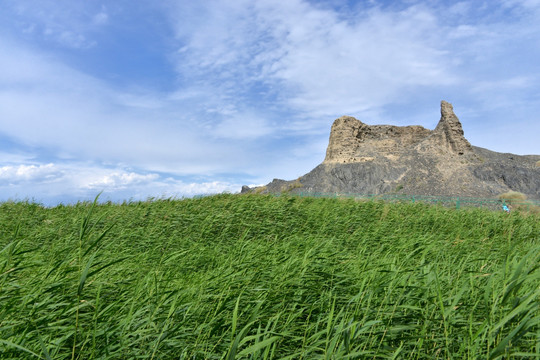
(266, 277)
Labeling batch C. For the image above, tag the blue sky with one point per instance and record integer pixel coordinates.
(141, 99)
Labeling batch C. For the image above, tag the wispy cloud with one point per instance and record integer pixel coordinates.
(101, 17)
(63, 23)
(310, 59)
(526, 4)
(75, 114)
(251, 87)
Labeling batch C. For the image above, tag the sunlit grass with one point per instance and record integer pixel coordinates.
(265, 277)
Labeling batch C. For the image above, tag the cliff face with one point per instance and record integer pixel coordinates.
(413, 160)
(352, 141)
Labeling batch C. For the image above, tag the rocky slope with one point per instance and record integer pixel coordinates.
(381, 159)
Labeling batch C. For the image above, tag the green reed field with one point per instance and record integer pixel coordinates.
(260, 277)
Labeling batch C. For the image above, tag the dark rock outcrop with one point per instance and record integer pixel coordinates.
(381, 159)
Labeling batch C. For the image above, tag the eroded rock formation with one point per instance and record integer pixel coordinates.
(450, 132)
(378, 159)
(353, 141)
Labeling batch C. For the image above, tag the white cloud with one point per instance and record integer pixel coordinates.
(322, 65)
(48, 183)
(82, 117)
(121, 180)
(319, 64)
(29, 173)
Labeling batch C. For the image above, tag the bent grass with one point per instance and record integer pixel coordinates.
(260, 277)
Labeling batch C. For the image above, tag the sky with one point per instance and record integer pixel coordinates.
(148, 99)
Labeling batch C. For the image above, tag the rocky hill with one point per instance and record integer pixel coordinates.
(413, 160)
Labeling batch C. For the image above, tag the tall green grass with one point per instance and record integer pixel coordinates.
(260, 277)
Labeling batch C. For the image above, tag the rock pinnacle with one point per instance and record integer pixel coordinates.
(450, 131)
